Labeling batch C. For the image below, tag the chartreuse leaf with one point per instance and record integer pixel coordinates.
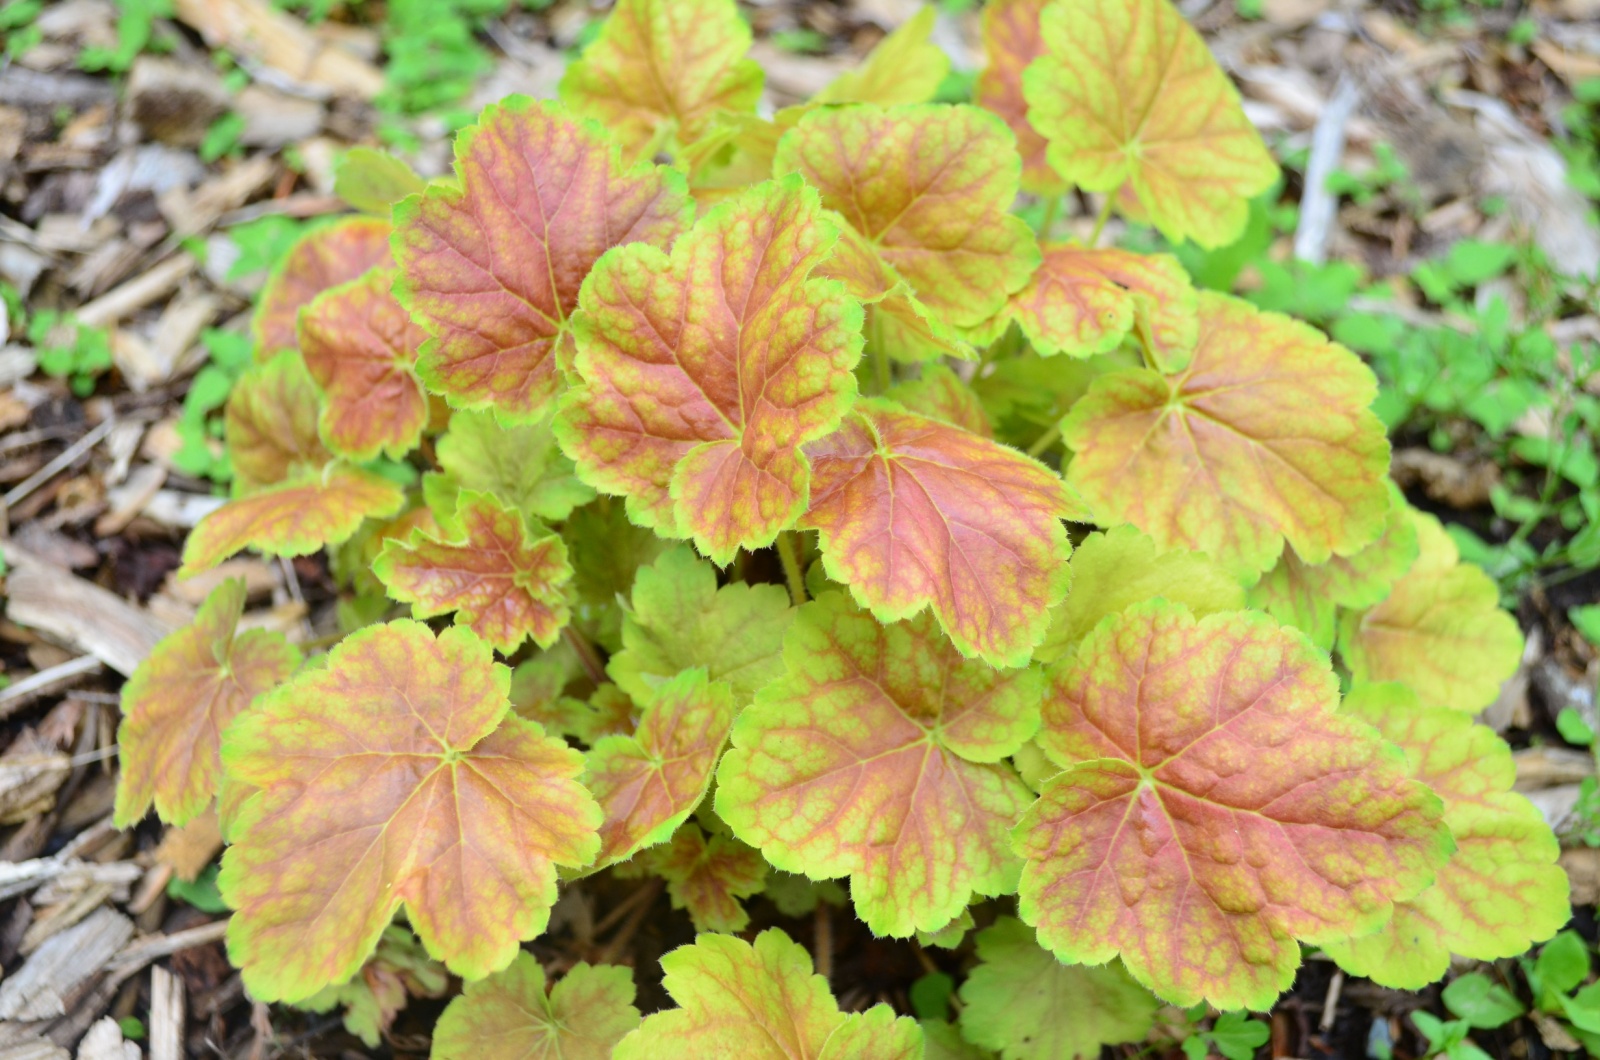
(1027, 1005)
(680, 620)
(907, 329)
(1213, 808)
(179, 700)
(606, 552)
(1126, 93)
(270, 424)
(905, 67)
(939, 394)
(944, 1042)
(705, 371)
(361, 348)
(930, 188)
(1308, 597)
(491, 263)
(761, 1002)
(510, 1014)
(1122, 567)
(1440, 630)
(1011, 42)
(506, 581)
(373, 181)
(324, 257)
(707, 875)
(1266, 436)
(648, 783)
(395, 775)
(913, 513)
(398, 970)
(662, 70)
(878, 756)
(518, 463)
(949, 936)
(1083, 301)
(1501, 891)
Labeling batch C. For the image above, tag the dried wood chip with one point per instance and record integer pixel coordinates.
(78, 614)
(41, 988)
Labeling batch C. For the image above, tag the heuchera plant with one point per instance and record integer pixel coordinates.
(644, 335)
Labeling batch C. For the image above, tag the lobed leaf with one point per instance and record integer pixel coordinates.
(324, 257)
(648, 783)
(510, 1014)
(1127, 93)
(491, 264)
(704, 372)
(878, 756)
(394, 776)
(905, 67)
(1011, 42)
(606, 552)
(661, 70)
(681, 620)
(929, 187)
(1083, 301)
(506, 582)
(1213, 808)
(913, 513)
(398, 970)
(1308, 597)
(1027, 1005)
(1440, 630)
(760, 1002)
(1501, 891)
(518, 463)
(179, 700)
(1266, 436)
(707, 875)
(361, 348)
(907, 328)
(939, 394)
(271, 424)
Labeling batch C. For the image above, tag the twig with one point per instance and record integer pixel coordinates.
(1330, 1004)
(790, 556)
(630, 927)
(822, 940)
(640, 893)
(1318, 205)
(140, 953)
(68, 457)
(23, 691)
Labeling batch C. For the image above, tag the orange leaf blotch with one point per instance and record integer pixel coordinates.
(270, 424)
(915, 513)
(650, 782)
(294, 518)
(491, 264)
(361, 348)
(1265, 436)
(704, 372)
(708, 876)
(1213, 808)
(183, 695)
(506, 583)
(324, 257)
(1011, 42)
(395, 775)
(930, 188)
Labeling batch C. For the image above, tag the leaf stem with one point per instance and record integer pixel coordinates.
(880, 356)
(587, 657)
(1051, 209)
(790, 555)
(1046, 440)
(1101, 219)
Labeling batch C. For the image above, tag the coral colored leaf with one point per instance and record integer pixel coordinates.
(294, 518)
(914, 513)
(1011, 42)
(929, 187)
(491, 263)
(877, 756)
(650, 782)
(398, 970)
(506, 582)
(905, 67)
(1123, 567)
(704, 372)
(361, 348)
(1501, 891)
(907, 329)
(940, 394)
(270, 424)
(680, 620)
(708, 875)
(661, 70)
(1213, 808)
(395, 775)
(1126, 93)
(519, 464)
(1082, 301)
(1266, 436)
(755, 1002)
(510, 1014)
(1440, 630)
(1027, 1005)
(179, 700)
(324, 257)
(1308, 597)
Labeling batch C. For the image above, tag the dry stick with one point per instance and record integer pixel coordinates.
(23, 692)
(68, 457)
(1318, 205)
(630, 927)
(790, 556)
(623, 908)
(1330, 1004)
(822, 940)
